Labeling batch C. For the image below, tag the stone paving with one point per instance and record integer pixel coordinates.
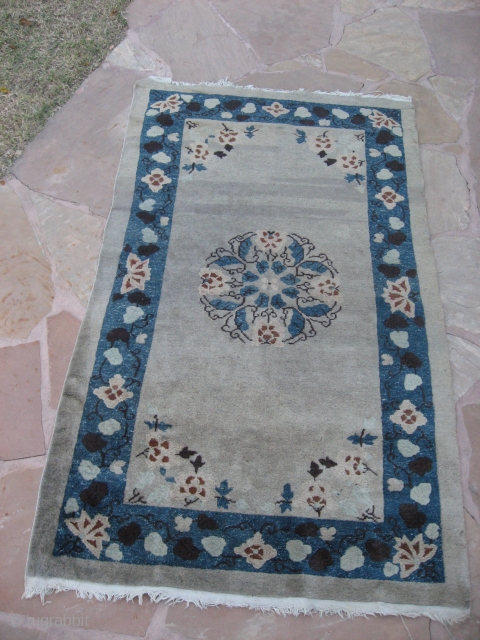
(53, 210)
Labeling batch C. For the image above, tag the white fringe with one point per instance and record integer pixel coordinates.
(227, 83)
(202, 599)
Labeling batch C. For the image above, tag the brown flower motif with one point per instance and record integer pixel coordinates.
(324, 143)
(114, 393)
(213, 281)
(227, 136)
(158, 451)
(255, 551)
(349, 162)
(380, 120)
(276, 109)
(316, 498)
(200, 151)
(412, 553)
(192, 489)
(171, 104)
(389, 197)
(396, 295)
(91, 531)
(271, 240)
(138, 273)
(268, 334)
(156, 180)
(327, 290)
(408, 417)
(354, 466)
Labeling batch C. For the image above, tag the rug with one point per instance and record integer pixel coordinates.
(258, 411)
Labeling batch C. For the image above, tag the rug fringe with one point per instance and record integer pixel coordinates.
(202, 599)
(227, 83)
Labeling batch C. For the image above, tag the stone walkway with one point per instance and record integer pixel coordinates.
(53, 212)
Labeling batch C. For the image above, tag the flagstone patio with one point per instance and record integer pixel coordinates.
(53, 210)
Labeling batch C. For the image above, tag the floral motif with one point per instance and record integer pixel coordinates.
(156, 180)
(114, 393)
(157, 451)
(408, 417)
(389, 197)
(255, 551)
(171, 104)
(200, 151)
(192, 489)
(227, 136)
(269, 288)
(349, 162)
(412, 553)
(380, 120)
(276, 109)
(316, 498)
(324, 143)
(91, 531)
(353, 466)
(213, 281)
(396, 295)
(138, 273)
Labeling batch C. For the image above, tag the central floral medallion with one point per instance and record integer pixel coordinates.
(270, 287)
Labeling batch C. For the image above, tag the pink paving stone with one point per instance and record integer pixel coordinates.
(62, 334)
(21, 434)
(18, 491)
(76, 156)
(222, 623)
(471, 417)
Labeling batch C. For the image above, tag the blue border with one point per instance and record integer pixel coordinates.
(105, 494)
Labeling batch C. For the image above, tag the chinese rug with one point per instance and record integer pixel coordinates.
(258, 411)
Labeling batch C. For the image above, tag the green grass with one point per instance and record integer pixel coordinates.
(47, 49)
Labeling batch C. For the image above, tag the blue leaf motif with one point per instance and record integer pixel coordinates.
(262, 300)
(227, 261)
(287, 495)
(163, 426)
(350, 177)
(297, 323)
(291, 292)
(362, 438)
(313, 265)
(244, 248)
(278, 267)
(223, 490)
(224, 305)
(262, 266)
(316, 311)
(241, 320)
(290, 279)
(301, 136)
(278, 302)
(296, 251)
(249, 290)
(248, 276)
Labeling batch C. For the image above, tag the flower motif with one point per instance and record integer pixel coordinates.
(157, 451)
(138, 273)
(255, 551)
(408, 417)
(213, 281)
(193, 489)
(183, 524)
(349, 162)
(389, 197)
(227, 136)
(396, 295)
(412, 553)
(114, 393)
(171, 104)
(326, 289)
(324, 143)
(276, 109)
(271, 240)
(269, 333)
(354, 467)
(316, 498)
(200, 151)
(380, 120)
(156, 180)
(91, 531)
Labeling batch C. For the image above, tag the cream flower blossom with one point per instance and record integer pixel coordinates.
(270, 332)
(200, 151)
(138, 273)
(389, 197)
(158, 451)
(91, 531)
(255, 551)
(114, 393)
(171, 104)
(323, 143)
(316, 498)
(276, 109)
(412, 553)
(408, 417)
(396, 295)
(213, 281)
(271, 240)
(156, 180)
(192, 489)
(227, 136)
(349, 162)
(326, 289)
(380, 120)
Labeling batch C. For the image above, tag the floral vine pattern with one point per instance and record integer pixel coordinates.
(406, 545)
(269, 288)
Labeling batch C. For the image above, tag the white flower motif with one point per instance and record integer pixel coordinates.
(141, 338)
(396, 223)
(298, 551)
(396, 295)
(393, 150)
(213, 281)
(156, 180)
(88, 470)
(113, 394)
(149, 235)
(412, 381)
(114, 552)
(138, 273)
(72, 506)
(412, 553)
(276, 109)
(171, 104)
(255, 551)
(161, 158)
(227, 115)
(384, 174)
(421, 493)
(432, 531)
(394, 484)
(380, 120)
(200, 152)
(183, 524)
(116, 467)
(173, 137)
(109, 427)
(147, 205)
(327, 533)
(164, 220)
(301, 112)
(91, 531)
(408, 417)
(374, 153)
(154, 132)
(378, 237)
(326, 289)
(387, 359)
(132, 314)
(155, 545)
(400, 339)
(389, 197)
(392, 257)
(340, 113)
(211, 103)
(249, 108)
(114, 356)
(352, 559)
(214, 545)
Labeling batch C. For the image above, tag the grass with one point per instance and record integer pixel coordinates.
(47, 49)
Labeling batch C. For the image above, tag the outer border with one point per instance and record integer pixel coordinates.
(455, 591)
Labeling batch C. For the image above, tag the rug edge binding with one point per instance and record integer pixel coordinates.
(227, 83)
(202, 599)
